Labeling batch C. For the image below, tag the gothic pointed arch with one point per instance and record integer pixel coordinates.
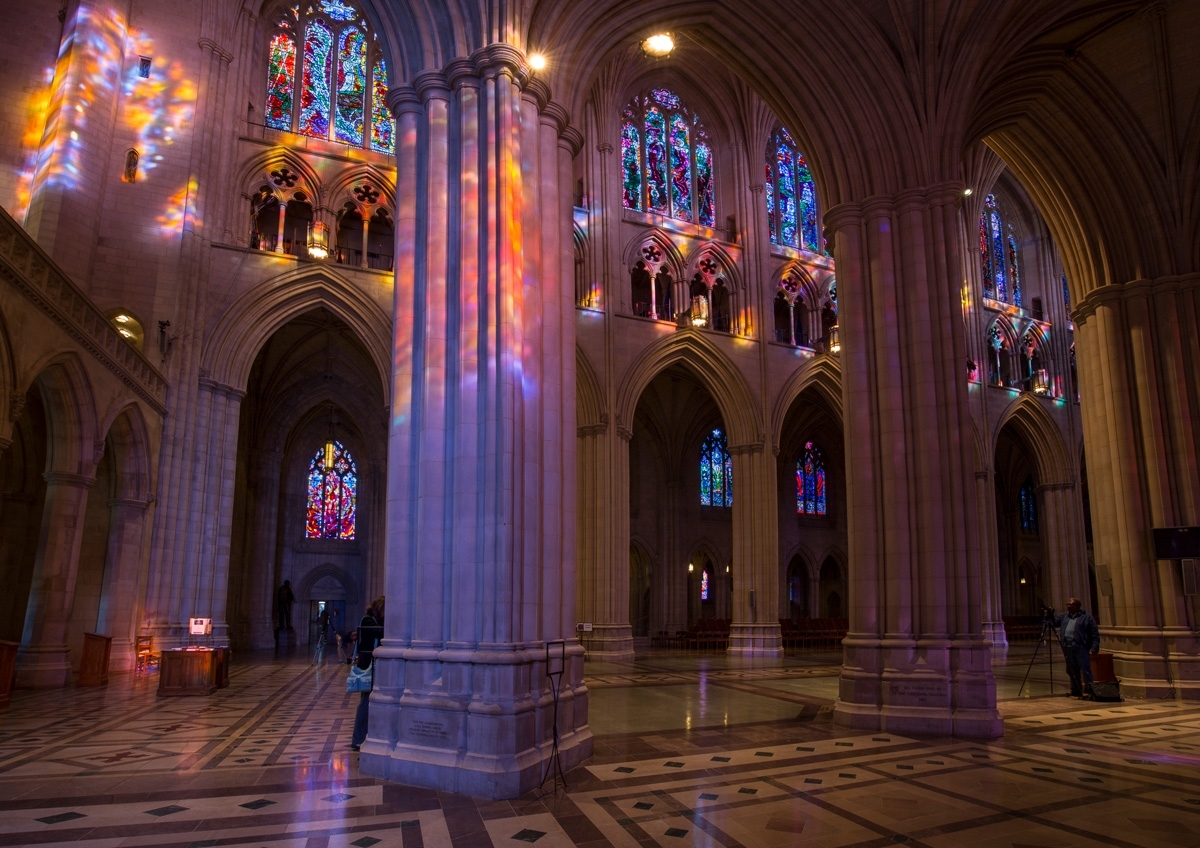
(656, 248)
(128, 435)
(589, 398)
(72, 422)
(796, 282)
(715, 371)
(1028, 416)
(254, 317)
(283, 171)
(822, 374)
(364, 184)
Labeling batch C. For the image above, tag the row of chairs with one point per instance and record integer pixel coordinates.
(813, 632)
(708, 634)
(1022, 628)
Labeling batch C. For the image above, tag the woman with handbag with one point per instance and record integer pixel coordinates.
(362, 670)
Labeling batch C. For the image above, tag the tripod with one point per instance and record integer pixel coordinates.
(1044, 637)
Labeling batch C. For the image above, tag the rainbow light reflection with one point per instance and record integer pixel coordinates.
(158, 109)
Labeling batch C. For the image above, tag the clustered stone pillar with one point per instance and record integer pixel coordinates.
(1139, 373)
(43, 660)
(123, 579)
(916, 659)
(480, 568)
(755, 628)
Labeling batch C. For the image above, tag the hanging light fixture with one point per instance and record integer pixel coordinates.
(329, 444)
(318, 240)
(835, 343)
(1041, 381)
(659, 46)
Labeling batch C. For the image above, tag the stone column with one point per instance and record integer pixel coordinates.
(755, 628)
(993, 610)
(282, 230)
(462, 700)
(42, 660)
(262, 580)
(1060, 523)
(1139, 373)
(124, 566)
(366, 236)
(916, 659)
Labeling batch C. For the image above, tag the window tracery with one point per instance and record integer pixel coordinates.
(666, 159)
(791, 195)
(332, 495)
(327, 78)
(716, 471)
(1029, 520)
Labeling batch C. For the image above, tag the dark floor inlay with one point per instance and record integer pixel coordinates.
(805, 748)
(676, 831)
(1195, 801)
(624, 770)
(62, 817)
(528, 835)
(880, 739)
(366, 842)
(708, 796)
(166, 811)
(643, 805)
(1076, 751)
(844, 744)
(815, 780)
(673, 764)
(624, 822)
(203, 843)
(411, 823)
(257, 805)
(243, 760)
(849, 775)
(980, 756)
(934, 763)
(1090, 780)
(720, 759)
(763, 754)
(902, 766)
(1142, 762)
(1041, 770)
(747, 791)
(338, 797)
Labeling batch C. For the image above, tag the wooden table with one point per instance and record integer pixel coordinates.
(193, 671)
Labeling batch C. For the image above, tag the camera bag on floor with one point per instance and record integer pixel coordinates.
(1106, 691)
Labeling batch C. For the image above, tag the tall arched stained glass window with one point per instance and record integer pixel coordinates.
(1029, 520)
(704, 585)
(998, 255)
(326, 77)
(666, 159)
(716, 471)
(810, 481)
(791, 195)
(332, 495)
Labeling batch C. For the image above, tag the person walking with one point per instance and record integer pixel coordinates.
(1079, 637)
(370, 633)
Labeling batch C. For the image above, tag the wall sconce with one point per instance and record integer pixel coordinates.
(1022, 581)
(1041, 382)
(699, 311)
(329, 444)
(835, 342)
(691, 568)
(318, 240)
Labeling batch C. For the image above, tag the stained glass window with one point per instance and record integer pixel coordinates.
(332, 495)
(666, 159)
(281, 82)
(716, 471)
(383, 125)
(810, 481)
(314, 97)
(1029, 521)
(791, 195)
(332, 69)
(1066, 291)
(704, 585)
(352, 86)
(999, 259)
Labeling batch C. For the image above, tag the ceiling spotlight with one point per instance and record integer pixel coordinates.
(121, 319)
(659, 45)
(967, 192)
(538, 62)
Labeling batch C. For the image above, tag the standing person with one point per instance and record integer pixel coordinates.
(370, 633)
(284, 598)
(1079, 636)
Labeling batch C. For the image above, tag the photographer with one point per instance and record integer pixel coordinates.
(1079, 637)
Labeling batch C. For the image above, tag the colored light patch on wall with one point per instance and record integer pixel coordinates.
(158, 109)
(37, 105)
(179, 207)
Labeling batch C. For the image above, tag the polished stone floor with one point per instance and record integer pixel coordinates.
(691, 749)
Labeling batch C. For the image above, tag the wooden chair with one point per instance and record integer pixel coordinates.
(146, 655)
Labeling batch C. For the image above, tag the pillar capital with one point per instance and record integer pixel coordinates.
(431, 85)
(62, 478)
(404, 99)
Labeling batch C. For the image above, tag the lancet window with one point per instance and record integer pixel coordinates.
(332, 494)
(999, 255)
(791, 195)
(810, 482)
(327, 78)
(1029, 520)
(704, 585)
(666, 159)
(716, 471)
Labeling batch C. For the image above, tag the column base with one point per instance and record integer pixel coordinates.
(1155, 662)
(995, 633)
(42, 667)
(474, 721)
(920, 687)
(755, 640)
(609, 642)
